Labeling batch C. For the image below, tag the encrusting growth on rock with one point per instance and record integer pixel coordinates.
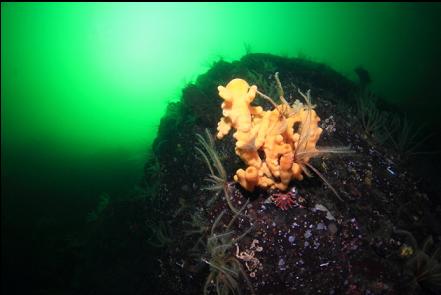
(287, 136)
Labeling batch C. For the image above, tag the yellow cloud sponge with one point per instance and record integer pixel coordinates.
(275, 144)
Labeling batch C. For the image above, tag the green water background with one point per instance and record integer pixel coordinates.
(84, 85)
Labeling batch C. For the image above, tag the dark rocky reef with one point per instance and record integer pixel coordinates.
(157, 241)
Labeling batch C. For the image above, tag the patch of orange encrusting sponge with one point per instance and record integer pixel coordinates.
(286, 135)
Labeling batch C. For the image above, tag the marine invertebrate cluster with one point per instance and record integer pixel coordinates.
(287, 135)
(405, 137)
(371, 118)
(225, 269)
(423, 264)
(218, 175)
(276, 145)
(159, 234)
(389, 128)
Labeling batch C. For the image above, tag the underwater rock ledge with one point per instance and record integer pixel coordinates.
(178, 235)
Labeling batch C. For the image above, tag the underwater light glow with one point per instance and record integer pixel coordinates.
(92, 76)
